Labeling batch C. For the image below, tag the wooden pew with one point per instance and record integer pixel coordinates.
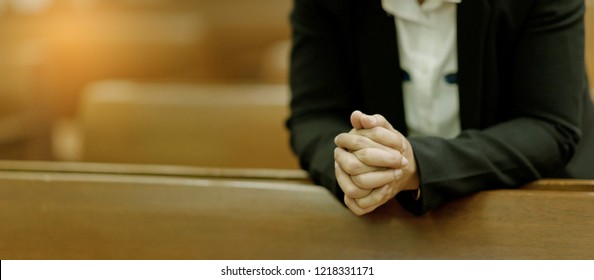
(87, 47)
(190, 124)
(242, 32)
(47, 57)
(561, 185)
(201, 40)
(76, 47)
(297, 175)
(60, 215)
(24, 132)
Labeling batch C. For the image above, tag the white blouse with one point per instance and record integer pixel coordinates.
(428, 57)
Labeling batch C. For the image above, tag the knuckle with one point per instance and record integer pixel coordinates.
(346, 187)
(351, 192)
(392, 160)
(380, 117)
(339, 140)
(377, 132)
(363, 155)
(350, 166)
(342, 139)
(359, 143)
(348, 190)
(359, 181)
(397, 159)
(377, 199)
(363, 182)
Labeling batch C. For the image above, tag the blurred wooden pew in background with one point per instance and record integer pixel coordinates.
(200, 40)
(207, 125)
(81, 42)
(24, 125)
(75, 43)
(134, 45)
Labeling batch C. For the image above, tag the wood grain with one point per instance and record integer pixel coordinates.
(154, 169)
(47, 215)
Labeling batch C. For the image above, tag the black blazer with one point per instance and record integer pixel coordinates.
(524, 102)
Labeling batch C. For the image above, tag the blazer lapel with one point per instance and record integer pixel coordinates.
(381, 78)
(472, 21)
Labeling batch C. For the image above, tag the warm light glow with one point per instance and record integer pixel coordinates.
(51, 50)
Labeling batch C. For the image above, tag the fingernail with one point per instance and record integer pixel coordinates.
(398, 172)
(335, 139)
(404, 161)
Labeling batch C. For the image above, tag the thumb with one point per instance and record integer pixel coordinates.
(368, 121)
(356, 119)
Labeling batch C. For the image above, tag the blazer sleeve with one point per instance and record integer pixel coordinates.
(546, 79)
(321, 100)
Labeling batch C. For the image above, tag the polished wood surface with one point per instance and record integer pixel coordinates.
(561, 185)
(228, 173)
(154, 169)
(58, 215)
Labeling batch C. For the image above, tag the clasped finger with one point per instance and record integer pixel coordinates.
(384, 136)
(376, 179)
(347, 185)
(351, 164)
(381, 158)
